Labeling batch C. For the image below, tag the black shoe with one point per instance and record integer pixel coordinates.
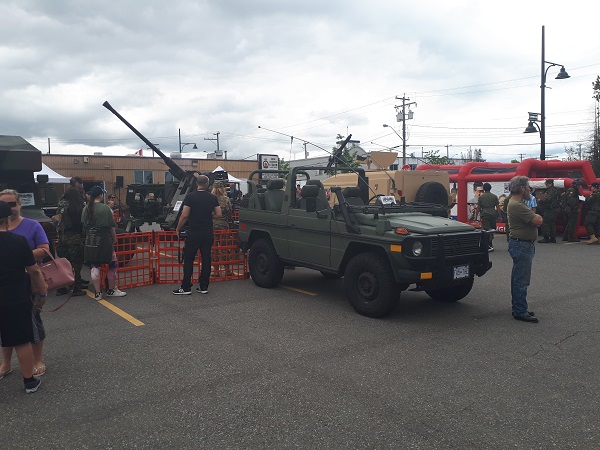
(544, 241)
(62, 291)
(182, 291)
(531, 313)
(526, 318)
(77, 293)
(553, 240)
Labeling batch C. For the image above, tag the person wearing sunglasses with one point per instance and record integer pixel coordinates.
(37, 240)
(472, 204)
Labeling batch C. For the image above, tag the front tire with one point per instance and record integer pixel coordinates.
(264, 264)
(370, 286)
(451, 294)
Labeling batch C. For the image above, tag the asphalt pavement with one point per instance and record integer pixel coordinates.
(295, 367)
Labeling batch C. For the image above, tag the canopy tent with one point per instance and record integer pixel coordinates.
(53, 177)
(230, 177)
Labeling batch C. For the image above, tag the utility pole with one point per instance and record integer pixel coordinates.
(404, 105)
(218, 152)
(448, 151)
(305, 151)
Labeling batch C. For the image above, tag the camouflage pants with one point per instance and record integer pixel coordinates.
(570, 220)
(70, 246)
(592, 223)
(549, 225)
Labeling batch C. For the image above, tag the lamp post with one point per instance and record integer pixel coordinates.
(403, 143)
(531, 128)
(183, 144)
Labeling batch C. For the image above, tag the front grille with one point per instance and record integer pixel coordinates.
(456, 245)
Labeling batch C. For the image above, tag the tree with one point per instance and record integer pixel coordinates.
(283, 165)
(594, 151)
(433, 157)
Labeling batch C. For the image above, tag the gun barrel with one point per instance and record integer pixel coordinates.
(175, 170)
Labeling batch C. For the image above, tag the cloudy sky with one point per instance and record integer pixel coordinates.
(311, 69)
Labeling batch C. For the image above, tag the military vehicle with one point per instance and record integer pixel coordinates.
(166, 212)
(19, 160)
(379, 244)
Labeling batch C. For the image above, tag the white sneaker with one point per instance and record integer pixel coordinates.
(115, 293)
(98, 296)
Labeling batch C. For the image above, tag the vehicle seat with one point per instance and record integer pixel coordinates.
(309, 199)
(274, 195)
(322, 196)
(352, 196)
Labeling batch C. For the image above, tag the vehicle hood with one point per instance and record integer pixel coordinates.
(419, 223)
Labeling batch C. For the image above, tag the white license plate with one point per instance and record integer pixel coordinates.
(461, 272)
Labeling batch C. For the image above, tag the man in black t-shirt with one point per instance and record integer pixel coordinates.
(199, 207)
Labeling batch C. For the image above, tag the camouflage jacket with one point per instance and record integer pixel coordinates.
(593, 201)
(571, 199)
(552, 198)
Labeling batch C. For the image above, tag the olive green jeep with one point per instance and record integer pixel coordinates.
(380, 246)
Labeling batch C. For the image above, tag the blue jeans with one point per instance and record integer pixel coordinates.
(522, 254)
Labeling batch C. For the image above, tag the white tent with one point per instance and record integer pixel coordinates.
(242, 183)
(53, 177)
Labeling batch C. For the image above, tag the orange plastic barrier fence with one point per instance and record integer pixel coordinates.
(153, 257)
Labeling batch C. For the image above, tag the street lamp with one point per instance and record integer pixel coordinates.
(183, 144)
(403, 143)
(532, 123)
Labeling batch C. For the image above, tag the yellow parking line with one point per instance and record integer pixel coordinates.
(118, 311)
(312, 294)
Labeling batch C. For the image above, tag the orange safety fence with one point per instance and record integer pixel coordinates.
(153, 258)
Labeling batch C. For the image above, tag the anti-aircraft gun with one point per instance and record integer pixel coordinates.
(167, 216)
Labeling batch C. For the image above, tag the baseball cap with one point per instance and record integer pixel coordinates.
(5, 210)
(96, 191)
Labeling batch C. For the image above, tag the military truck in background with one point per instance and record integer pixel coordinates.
(380, 243)
(19, 160)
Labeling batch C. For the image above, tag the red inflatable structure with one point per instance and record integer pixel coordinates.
(536, 170)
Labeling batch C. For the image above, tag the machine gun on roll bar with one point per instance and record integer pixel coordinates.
(187, 179)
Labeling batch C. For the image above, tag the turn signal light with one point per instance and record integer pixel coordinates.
(401, 231)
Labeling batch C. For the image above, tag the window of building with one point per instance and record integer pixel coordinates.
(169, 178)
(143, 177)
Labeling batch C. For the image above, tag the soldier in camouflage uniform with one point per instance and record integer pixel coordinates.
(570, 204)
(592, 219)
(70, 235)
(550, 206)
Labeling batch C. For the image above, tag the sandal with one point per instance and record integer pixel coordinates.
(41, 370)
(3, 373)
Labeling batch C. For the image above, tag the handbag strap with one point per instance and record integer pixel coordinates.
(48, 253)
(63, 303)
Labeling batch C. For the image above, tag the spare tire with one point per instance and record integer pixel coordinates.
(433, 192)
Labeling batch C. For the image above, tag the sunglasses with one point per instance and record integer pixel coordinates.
(12, 204)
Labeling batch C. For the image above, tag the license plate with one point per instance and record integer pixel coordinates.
(461, 272)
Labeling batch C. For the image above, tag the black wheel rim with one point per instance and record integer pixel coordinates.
(367, 286)
(262, 263)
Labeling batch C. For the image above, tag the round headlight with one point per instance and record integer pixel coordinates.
(417, 248)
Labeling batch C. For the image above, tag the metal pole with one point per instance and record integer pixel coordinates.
(404, 130)
(543, 105)
(179, 140)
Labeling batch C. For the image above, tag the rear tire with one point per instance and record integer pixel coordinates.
(264, 264)
(451, 294)
(370, 285)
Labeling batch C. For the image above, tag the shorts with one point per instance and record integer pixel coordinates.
(16, 324)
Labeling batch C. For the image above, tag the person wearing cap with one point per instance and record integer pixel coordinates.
(524, 225)
(592, 219)
(550, 206)
(16, 326)
(100, 237)
(571, 211)
(37, 240)
(488, 208)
